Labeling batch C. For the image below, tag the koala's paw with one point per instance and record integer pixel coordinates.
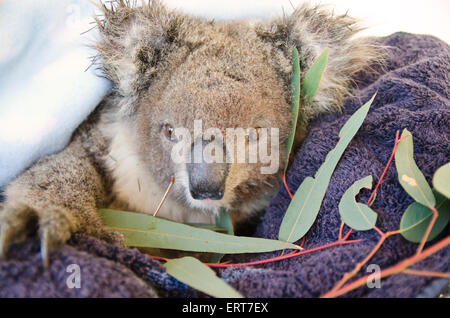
(55, 225)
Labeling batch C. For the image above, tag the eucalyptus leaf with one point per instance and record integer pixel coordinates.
(311, 82)
(409, 175)
(194, 273)
(295, 88)
(441, 180)
(357, 215)
(417, 217)
(210, 227)
(307, 200)
(223, 220)
(143, 230)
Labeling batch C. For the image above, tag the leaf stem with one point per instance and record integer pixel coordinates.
(341, 228)
(397, 141)
(286, 186)
(359, 265)
(347, 235)
(303, 241)
(282, 257)
(396, 269)
(429, 228)
(425, 273)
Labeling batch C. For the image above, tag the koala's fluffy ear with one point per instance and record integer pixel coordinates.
(312, 29)
(133, 41)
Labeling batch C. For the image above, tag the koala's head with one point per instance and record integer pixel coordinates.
(182, 80)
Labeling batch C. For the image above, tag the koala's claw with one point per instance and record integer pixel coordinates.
(5, 233)
(55, 226)
(13, 226)
(45, 249)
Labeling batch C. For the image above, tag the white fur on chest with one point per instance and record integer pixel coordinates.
(134, 186)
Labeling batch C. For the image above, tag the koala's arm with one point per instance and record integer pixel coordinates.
(60, 194)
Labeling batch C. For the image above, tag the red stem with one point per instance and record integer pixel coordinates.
(425, 273)
(282, 257)
(341, 228)
(398, 268)
(347, 235)
(286, 186)
(429, 228)
(303, 241)
(387, 166)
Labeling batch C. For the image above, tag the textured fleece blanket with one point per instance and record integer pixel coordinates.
(413, 93)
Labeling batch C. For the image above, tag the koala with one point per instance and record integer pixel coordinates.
(169, 70)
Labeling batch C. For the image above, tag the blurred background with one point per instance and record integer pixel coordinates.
(382, 16)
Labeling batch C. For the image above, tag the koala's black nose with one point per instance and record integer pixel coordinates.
(207, 178)
(199, 194)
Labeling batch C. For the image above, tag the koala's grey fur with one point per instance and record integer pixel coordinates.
(168, 67)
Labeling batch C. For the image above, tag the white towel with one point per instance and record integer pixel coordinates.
(45, 90)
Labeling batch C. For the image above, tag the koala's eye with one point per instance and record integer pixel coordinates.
(169, 131)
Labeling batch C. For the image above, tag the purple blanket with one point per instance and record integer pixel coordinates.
(413, 93)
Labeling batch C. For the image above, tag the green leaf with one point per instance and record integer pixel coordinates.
(409, 175)
(441, 180)
(194, 273)
(416, 218)
(223, 220)
(143, 230)
(295, 87)
(306, 203)
(210, 227)
(311, 82)
(308, 88)
(357, 215)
